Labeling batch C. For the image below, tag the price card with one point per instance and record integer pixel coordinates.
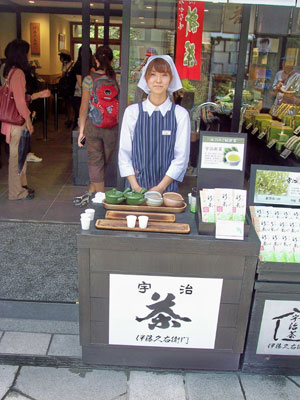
(254, 131)
(249, 125)
(229, 230)
(297, 131)
(261, 135)
(285, 153)
(271, 143)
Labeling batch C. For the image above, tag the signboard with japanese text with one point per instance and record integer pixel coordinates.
(163, 311)
(275, 185)
(280, 328)
(189, 38)
(35, 38)
(222, 152)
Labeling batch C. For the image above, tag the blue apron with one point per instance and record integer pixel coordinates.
(153, 147)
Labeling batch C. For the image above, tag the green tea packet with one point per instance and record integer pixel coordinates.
(239, 205)
(224, 204)
(266, 247)
(207, 199)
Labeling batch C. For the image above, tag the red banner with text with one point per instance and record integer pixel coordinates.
(189, 38)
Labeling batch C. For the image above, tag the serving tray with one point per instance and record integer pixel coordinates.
(162, 227)
(155, 217)
(124, 207)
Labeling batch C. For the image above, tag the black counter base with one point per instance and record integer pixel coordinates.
(144, 357)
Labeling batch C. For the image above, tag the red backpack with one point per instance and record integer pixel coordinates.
(104, 103)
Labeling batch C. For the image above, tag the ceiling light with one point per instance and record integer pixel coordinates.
(31, 1)
(142, 22)
(141, 17)
(91, 4)
(149, 7)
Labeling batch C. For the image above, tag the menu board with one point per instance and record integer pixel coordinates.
(277, 187)
(221, 152)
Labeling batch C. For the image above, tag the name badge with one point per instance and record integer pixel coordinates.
(166, 133)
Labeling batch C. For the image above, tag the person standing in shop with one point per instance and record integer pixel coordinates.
(76, 99)
(16, 67)
(64, 90)
(155, 134)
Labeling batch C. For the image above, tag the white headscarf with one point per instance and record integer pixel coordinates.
(175, 83)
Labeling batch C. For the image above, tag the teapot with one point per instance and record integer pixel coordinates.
(115, 196)
(135, 198)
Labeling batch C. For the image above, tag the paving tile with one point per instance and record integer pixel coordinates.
(296, 379)
(16, 396)
(63, 212)
(24, 343)
(66, 346)
(39, 326)
(7, 376)
(23, 209)
(202, 386)
(49, 383)
(154, 386)
(262, 387)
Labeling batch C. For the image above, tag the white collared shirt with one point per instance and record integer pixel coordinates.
(179, 164)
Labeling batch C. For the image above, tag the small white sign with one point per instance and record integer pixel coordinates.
(163, 311)
(230, 230)
(166, 133)
(280, 328)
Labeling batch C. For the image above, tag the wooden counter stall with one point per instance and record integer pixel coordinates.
(164, 300)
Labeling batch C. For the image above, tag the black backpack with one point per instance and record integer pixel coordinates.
(66, 84)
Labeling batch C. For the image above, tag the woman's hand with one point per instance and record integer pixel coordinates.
(40, 95)
(29, 125)
(79, 139)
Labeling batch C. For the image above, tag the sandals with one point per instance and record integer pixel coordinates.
(83, 200)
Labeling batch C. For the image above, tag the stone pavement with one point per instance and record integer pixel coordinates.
(40, 359)
(53, 383)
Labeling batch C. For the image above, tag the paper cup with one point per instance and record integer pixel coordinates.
(131, 220)
(85, 223)
(90, 212)
(190, 197)
(143, 221)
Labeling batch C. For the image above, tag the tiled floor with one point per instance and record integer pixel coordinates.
(51, 179)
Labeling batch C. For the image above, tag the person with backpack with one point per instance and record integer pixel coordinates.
(98, 120)
(155, 134)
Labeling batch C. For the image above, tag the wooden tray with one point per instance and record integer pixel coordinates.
(125, 207)
(155, 217)
(121, 225)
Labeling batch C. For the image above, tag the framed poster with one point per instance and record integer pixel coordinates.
(61, 41)
(35, 38)
(274, 185)
(163, 311)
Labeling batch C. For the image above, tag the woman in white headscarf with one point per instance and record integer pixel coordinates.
(155, 134)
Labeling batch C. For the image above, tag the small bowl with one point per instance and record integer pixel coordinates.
(154, 202)
(173, 199)
(153, 198)
(153, 195)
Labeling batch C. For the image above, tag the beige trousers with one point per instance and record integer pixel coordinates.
(16, 181)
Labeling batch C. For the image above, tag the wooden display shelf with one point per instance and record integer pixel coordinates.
(127, 207)
(162, 227)
(153, 217)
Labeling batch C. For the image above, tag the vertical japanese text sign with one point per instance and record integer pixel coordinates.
(189, 38)
(35, 38)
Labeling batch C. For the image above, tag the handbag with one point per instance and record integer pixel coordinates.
(8, 110)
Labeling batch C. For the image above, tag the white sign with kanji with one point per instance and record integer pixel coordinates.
(280, 328)
(163, 311)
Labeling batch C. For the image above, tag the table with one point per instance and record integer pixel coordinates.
(113, 265)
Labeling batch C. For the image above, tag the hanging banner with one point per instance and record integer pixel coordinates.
(189, 38)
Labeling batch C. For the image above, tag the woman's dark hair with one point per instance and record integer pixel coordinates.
(105, 56)
(65, 57)
(16, 56)
(78, 63)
